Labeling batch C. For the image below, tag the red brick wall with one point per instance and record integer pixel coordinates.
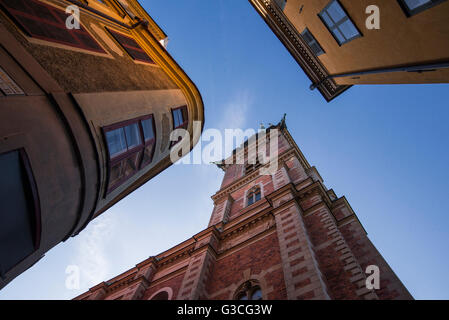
(258, 256)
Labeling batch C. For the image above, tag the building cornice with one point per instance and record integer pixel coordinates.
(300, 51)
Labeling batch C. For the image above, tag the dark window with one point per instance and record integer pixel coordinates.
(250, 290)
(311, 41)
(19, 210)
(281, 3)
(131, 47)
(338, 23)
(253, 195)
(130, 147)
(412, 7)
(46, 22)
(163, 295)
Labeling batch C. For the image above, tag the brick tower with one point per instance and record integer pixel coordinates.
(282, 235)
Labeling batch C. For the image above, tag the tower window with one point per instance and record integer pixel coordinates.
(250, 290)
(253, 196)
(130, 147)
(311, 41)
(19, 210)
(45, 22)
(338, 23)
(412, 7)
(131, 47)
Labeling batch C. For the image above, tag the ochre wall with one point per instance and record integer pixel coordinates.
(401, 40)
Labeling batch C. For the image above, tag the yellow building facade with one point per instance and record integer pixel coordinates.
(340, 43)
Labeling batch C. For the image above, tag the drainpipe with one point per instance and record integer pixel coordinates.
(418, 68)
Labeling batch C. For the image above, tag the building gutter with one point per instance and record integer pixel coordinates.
(416, 68)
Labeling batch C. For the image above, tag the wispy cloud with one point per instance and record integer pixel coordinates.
(236, 110)
(91, 250)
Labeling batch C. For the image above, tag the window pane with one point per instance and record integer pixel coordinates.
(132, 135)
(258, 196)
(180, 117)
(177, 117)
(336, 12)
(326, 19)
(311, 41)
(348, 29)
(148, 131)
(250, 200)
(257, 295)
(316, 48)
(413, 4)
(340, 37)
(307, 36)
(116, 142)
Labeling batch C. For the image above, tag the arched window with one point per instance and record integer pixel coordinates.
(250, 290)
(163, 295)
(253, 195)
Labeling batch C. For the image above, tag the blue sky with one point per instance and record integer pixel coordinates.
(383, 146)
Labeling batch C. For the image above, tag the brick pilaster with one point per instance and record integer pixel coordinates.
(199, 269)
(302, 275)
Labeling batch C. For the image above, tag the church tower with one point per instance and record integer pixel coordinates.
(278, 234)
